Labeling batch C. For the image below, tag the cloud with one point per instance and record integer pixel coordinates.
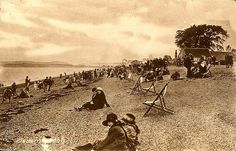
(11, 12)
(93, 31)
(127, 33)
(45, 50)
(13, 53)
(145, 36)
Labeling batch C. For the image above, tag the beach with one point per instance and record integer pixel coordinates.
(204, 116)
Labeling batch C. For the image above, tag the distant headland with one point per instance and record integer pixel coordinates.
(44, 64)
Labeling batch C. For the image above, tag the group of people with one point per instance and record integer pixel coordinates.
(10, 92)
(45, 84)
(122, 134)
(196, 69)
(152, 69)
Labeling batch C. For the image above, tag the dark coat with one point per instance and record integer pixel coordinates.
(115, 140)
(187, 62)
(99, 100)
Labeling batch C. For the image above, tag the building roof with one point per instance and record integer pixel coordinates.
(220, 55)
(196, 52)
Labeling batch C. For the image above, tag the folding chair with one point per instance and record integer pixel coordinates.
(152, 86)
(130, 77)
(137, 86)
(208, 72)
(159, 102)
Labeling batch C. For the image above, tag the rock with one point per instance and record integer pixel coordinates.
(6, 142)
(40, 130)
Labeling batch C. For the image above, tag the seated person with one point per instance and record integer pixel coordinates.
(98, 100)
(115, 139)
(199, 70)
(69, 85)
(7, 94)
(150, 76)
(175, 76)
(203, 67)
(129, 124)
(24, 94)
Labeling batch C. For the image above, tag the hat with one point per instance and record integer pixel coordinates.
(110, 118)
(94, 89)
(129, 117)
(99, 88)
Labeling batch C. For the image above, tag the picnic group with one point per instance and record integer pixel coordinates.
(123, 133)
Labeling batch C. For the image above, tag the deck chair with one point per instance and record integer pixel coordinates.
(208, 72)
(151, 88)
(137, 86)
(159, 102)
(130, 77)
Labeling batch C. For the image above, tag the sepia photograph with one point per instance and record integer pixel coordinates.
(117, 75)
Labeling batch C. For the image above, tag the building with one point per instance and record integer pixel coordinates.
(220, 56)
(196, 52)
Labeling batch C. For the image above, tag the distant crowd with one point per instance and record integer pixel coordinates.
(197, 69)
(152, 69)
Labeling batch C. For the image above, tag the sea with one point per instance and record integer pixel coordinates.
(8, 75)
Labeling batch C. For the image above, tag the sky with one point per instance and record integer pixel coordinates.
(103, 31)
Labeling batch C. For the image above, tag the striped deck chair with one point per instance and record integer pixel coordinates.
(137, 88)
(149, 89)
(130, 77)
(159, 102)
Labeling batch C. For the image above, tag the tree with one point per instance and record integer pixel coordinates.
(167, 58)
(201, 36)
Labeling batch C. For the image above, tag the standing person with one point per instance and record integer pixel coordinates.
(13, 88)
(213, 59)
(227, 60)
(50, 83)
(27, 83)
(45, 84)
(188, 65)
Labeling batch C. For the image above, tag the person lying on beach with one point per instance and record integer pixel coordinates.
(98, 100)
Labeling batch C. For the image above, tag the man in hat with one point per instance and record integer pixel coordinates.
(115, 139)
(98, 100)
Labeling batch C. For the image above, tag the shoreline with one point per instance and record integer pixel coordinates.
(20, 85)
